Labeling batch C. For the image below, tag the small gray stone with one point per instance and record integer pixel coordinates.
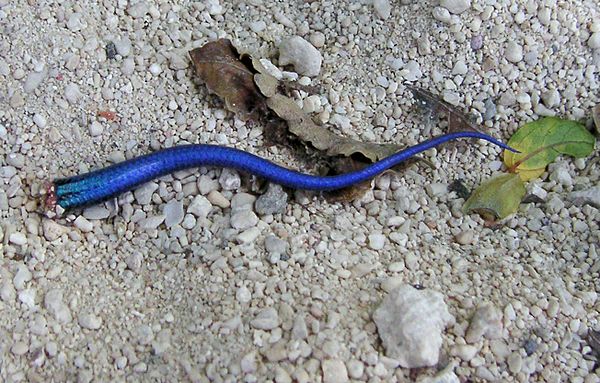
(22, 276)
(19, 348)
(218, 199)
(83, 224)
(298, 52)
(355, 368)
(53, 230)
(177, 62)
(242, 201)
(152, 222)
(273, 201)
(442, 14)
(460, 68)
(275, 245)
(162, 342)
(173, 212)
(413, 71)
(34, 79)
(589, 196)
(248, 236)
(299, 329)
(436, 189)
(53, 302)
(27, 297)
(96, 212)
(267, 319)
(230, 179)
(200, 207)
(145, 334)
(486, 321)
(490, 109)
(134, 261)
(75, 22)
(465, 237)
(562, 176)
(243, 295)
(17, 238)
(383, 8)
(594, 40)
(376, 241)
(513, 52)
(143, 194)
(243, 220)
(258, 26)
(456, 6)
(96, 129)
(515, 362)
(72, 93)
(334, 371)
(317, 39)
(123, 46)
(90, 321)
(551, 98)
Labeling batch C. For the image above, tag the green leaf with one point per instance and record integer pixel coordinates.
(541, 141)
(497, 197)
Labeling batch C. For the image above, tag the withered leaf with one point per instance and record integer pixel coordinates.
(301, 125)
(227, 74)
(433, 106)
(347, 165)
(251, 92)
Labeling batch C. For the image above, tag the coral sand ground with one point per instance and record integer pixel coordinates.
(185, 279)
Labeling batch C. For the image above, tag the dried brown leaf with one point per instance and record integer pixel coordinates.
(301, 125)
(346, 165)
(433, 105)
(227, 74)
(251, 92)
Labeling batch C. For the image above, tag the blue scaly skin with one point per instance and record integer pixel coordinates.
(101, 185)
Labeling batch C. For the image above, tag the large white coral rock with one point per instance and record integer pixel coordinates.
(410, 324)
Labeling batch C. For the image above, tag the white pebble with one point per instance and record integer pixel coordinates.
(412, 71)
(442, 14)
(200, 207)
(72, 93)
(243, 220)
(334, 371)
(22, 276)
(90, 321)
(18, 239)
(383, 8)
(39, 120)
(27, 297)
(152, 222)
(267, 319)
(258, 26)
(34, 80)
(594, 41)
(456, 6)
(298, 52)
(243, 295)
(96, 129)
(513, 52)
(155, 69)
(83, 224)
(376, 241)
(75, 22)
(173, 212)
(460, 67)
